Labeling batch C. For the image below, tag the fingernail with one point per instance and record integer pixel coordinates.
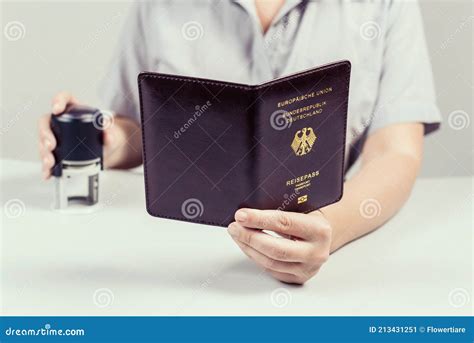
(233, 231)
(56, 108)
(241, 216)
(47, 143)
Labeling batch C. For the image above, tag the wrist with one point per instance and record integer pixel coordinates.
(333, 216)
(320, 213)
(123, 149)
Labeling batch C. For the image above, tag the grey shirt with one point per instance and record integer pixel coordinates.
(391, 79)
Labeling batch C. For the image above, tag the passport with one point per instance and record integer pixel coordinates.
(211, 147)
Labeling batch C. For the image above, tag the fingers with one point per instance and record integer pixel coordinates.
(48, 163)
(286, 223)
(47, 160)
(276, 248)
(61, 100)
(288, 278)
(47, 139)
(286, 258)
(47, 143)
(267, 262)
(289, 272)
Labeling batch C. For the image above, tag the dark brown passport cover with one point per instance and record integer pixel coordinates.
(212, 147)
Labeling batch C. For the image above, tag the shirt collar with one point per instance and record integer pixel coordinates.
(249, 6)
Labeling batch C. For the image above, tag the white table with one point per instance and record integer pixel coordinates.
(121, 261)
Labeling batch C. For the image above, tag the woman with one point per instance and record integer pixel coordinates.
(391, 107)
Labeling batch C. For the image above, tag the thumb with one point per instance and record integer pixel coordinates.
(61, 100)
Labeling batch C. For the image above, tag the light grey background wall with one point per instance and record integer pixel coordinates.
(52, 46)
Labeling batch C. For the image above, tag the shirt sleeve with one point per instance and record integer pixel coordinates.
(406, 89)
(118, 90)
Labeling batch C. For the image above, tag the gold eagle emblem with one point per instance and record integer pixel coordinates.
(303, 141)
